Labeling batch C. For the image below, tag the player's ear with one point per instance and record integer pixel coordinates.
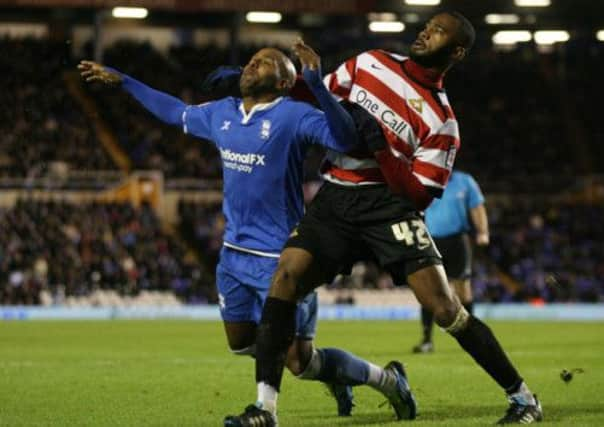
(459, 53)
(284, 85)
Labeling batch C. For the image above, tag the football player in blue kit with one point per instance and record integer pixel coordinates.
(262, 138)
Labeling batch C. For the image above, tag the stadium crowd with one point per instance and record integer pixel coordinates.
(43, 129)
(554, 253)
(549, 253)
(72, 249)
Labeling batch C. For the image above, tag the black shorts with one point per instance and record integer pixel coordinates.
(457, 255)
(344, 225)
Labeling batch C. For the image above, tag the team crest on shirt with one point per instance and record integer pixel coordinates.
(417, 104)
(265, 130)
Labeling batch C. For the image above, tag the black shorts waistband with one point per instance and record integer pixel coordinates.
(354, 187)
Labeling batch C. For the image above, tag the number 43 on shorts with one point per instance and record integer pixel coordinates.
(413, 232)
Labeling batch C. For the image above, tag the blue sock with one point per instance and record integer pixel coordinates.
(341, 367)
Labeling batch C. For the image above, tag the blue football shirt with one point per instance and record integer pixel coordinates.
(262, 161)
(450, 214)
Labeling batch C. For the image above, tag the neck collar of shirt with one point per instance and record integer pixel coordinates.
(258, 107)
(424, 76)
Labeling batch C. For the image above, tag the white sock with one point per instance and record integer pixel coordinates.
(379, 379)
(267, 397)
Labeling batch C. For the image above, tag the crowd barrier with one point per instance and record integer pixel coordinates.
(562, 312)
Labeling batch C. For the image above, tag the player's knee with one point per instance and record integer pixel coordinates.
(459, 322)
(249, 350)
(239, 343)
(294, 365)
(446, 312)
(299, 356)
(284, 283)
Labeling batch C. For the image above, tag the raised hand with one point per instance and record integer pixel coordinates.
(307, 56)
(94, 72)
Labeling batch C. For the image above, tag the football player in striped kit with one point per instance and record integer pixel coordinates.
(372, 199)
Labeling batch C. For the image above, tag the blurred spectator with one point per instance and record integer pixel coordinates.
(554, 251)
(42, 129)
(202, 225)
(73, 249)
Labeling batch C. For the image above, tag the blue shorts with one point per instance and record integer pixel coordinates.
(243, 281)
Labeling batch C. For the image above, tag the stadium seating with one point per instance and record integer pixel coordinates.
(42, 128)
(74, 250)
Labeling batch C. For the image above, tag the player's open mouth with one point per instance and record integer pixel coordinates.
(247, 75)
(418, 44)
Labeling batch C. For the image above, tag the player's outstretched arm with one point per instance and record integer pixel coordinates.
(163, 106)
(339, 121)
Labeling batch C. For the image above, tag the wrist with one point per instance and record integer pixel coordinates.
(482, 238)
(312, 75)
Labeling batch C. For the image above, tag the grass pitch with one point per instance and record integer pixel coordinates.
(180, 373)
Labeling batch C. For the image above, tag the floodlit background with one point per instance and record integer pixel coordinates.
(105, 213)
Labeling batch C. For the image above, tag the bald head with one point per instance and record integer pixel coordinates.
(285, 67)
(269, 71)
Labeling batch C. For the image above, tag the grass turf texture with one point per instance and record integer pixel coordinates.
(180, 373)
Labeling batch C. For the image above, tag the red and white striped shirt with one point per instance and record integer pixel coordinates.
(412, 108)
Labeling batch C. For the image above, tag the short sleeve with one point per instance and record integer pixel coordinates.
(475, 196)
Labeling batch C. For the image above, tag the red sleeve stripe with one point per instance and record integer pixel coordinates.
(400, 147)
(433, 156)
(432, 172)
(429, 183)
(351, 65)
(340, 81)
(340, 91)
(440, 141)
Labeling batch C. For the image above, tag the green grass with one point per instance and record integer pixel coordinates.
(180, 373)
